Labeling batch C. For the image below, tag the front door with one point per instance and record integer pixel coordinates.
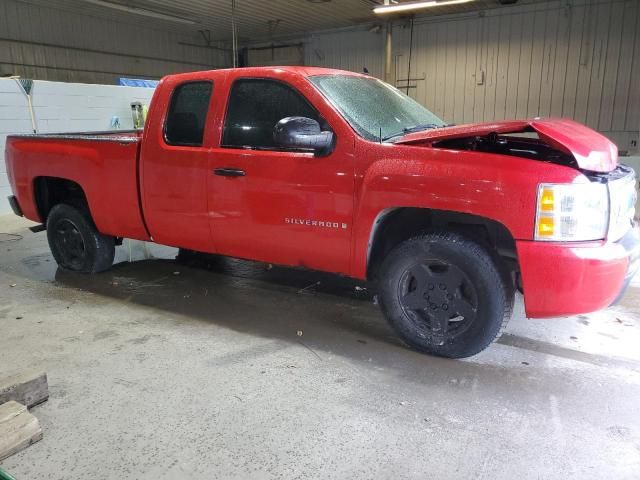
(284, 207)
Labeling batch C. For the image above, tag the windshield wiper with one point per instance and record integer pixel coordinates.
(418, 128)
(415, 128)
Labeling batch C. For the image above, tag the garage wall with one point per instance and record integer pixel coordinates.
(50, 44)
(275, 55)
(349, 50)
(578, 59)
(62, 107)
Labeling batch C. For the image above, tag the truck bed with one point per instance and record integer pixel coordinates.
(104, 164)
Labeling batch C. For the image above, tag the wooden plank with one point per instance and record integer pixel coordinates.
(29, 388)
(18, 429)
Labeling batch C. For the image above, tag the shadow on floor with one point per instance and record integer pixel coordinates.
(229, 292)
(336, 315)
(280, 303)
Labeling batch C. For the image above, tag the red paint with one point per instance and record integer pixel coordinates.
(107, 172)
(561, 279)
(248, 213)
(174, 179)
(255, 216)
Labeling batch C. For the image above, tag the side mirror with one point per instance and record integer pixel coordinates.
(302, 133)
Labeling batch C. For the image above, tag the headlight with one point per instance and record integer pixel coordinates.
(572, 212)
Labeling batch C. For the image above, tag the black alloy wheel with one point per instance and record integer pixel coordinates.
(70, 244)
(439, 298)
(445, 294)
(76, 243)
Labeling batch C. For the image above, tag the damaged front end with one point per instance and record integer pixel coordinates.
(559, 141)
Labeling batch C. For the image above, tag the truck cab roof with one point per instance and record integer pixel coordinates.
(262, 71)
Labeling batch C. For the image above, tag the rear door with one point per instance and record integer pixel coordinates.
(286, 207)
(174, 170)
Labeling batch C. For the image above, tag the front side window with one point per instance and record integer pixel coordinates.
(255, 106)
(188, 114)
(374, 109)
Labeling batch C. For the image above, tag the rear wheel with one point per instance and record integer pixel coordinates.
(445, 294)
(75, 242)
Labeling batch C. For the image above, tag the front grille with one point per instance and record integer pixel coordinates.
(622, 204)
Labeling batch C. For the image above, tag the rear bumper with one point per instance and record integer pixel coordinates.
(566, 279)
(15, 206)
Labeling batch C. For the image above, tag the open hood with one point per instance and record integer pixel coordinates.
(591, 150)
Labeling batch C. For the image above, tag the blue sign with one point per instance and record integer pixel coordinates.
(136, 82)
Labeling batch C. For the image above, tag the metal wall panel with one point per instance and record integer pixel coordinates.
(350, 50)
(282, 55)
(51, 44)
(578, 59)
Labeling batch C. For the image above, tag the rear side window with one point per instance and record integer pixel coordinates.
(255, 106)
(188, 114)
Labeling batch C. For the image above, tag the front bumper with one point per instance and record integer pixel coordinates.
(631, 242)
(562, 279)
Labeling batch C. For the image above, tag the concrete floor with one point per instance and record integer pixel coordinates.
(162, 370)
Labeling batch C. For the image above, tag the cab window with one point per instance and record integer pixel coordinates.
(255, 106)
(187, 114)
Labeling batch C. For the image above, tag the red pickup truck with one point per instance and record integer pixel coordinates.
(340, 172)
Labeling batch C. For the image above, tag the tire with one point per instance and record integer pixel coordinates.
(75, 242)
(445, 294)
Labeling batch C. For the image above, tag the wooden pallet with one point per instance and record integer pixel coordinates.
(18, 428)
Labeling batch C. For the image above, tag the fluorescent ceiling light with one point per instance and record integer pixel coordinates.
(140, 11)
(413, 6)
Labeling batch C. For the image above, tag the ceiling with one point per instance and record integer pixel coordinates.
(256, 19)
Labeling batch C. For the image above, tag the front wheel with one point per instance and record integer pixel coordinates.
(445, 294)
(75, 242)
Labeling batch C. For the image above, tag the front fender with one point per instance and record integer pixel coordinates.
(496, 187)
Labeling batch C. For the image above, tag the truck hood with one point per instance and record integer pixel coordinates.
(591, 150)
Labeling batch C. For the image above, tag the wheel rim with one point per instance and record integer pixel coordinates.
(70, 243)
(439, 300)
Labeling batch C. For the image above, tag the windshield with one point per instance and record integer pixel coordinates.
(375, 109)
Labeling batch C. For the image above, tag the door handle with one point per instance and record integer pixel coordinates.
(229, 172)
